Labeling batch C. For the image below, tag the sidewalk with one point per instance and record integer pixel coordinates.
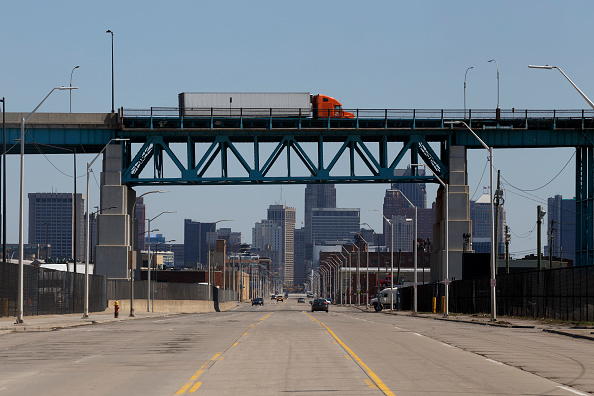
(549, 326)
(56, 322)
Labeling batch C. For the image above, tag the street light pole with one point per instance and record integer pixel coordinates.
(112, 83)
(492, 215)
(133, 237)
(22, 204)
(89, 164)
(496, 65)
(209, 236)
(148, 294)
(75, 67)
(414, 255)
(391, 259)
(547, 67)
(465, 89)
(4, 179)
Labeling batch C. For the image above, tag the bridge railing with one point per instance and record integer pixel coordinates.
(446, 114)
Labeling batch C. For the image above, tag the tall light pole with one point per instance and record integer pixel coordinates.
(148, 294)
(391, 259)
(493, 247)
(209, 236)
(3, 179)
(75, 67)
(89, 170)
(112, 84)
(358, 271)
(156, 251)
(414, 254)
(134, 237)
(367, 264)
(22, 200)
(547, 67)
(496, 65)
(465, 89)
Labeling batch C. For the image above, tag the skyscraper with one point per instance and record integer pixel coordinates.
(561, 219)
(415, 192)
(196, 243)
(396, 205)
(480, 214)
(140, 214)
(284, 216)
(50, 219)
(334, 224)
(316, 196)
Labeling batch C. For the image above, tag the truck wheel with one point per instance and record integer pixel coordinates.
(377, 308)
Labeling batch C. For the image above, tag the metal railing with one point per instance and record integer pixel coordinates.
(405, 114)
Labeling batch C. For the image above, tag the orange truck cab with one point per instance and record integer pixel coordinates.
(327, 107)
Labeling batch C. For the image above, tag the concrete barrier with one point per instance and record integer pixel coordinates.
(170, 306)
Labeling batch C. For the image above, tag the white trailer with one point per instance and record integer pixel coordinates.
(245, 104)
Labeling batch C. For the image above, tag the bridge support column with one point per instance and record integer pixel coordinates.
(584, 206)
(459, 219)
(114, 244)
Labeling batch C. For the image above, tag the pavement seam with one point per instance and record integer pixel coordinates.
(372, 376)
(193, 384)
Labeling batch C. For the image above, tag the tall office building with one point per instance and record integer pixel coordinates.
(561, 220)
(284, 216)
(415, 192)
(196, 243)
(396, 205)
(140, 214)
(50, 221)
(300, 267)
(480, 215)
(316, 196)
(334, 224)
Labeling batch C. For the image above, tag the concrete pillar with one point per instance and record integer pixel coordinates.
(113, 252)
(459, 218)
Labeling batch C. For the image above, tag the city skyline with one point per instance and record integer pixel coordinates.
(376, 78)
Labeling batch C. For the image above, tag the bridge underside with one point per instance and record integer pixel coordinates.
(167, 149)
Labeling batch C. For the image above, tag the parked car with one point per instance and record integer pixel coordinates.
(329, 301)
(301, 300)
(279, 298)
(257, 301)
(310, 295)
(319, 304)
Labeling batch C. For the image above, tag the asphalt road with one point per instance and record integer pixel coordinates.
(283, 348)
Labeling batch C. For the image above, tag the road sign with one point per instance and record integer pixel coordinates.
(493, 282)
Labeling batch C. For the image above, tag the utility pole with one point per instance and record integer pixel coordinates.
(551, 244)
(507, 240)
(539, 215)
(498, 201)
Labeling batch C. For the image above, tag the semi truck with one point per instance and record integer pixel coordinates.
(260, 104)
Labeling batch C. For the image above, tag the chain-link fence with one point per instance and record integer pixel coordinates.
(47, 291)
(561, 293)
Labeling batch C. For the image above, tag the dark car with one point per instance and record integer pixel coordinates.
(258, 301)
(319, 304)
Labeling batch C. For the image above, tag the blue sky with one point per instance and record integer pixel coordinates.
(380, 54)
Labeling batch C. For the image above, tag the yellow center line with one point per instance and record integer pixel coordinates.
(193, 385)
(378, 382)
(370, 383)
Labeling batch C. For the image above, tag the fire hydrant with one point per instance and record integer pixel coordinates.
(116, 309)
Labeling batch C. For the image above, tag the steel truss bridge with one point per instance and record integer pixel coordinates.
(314, 150)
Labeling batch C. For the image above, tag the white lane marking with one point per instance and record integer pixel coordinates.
(397, 328)
(493, 361)
(572, 390)
(420, 335)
